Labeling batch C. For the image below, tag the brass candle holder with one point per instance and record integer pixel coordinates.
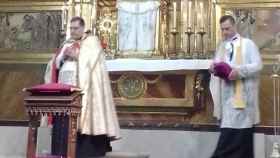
(201, 54)
(276, 109)
(189, 33)
(173, 52)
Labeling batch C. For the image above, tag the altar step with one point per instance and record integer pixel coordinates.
(119, 154)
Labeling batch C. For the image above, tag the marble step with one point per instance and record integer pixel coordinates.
(119, 154)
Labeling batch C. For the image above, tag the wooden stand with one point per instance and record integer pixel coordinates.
(61, 105)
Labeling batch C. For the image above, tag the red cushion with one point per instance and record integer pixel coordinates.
(222, 70)
(49, 156)
(51, 88)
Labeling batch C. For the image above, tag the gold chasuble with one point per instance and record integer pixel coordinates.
(98, 116)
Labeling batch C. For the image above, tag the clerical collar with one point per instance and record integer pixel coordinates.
(235, 37)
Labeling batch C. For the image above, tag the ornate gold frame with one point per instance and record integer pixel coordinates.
(221, 6)
(13, 56)
(161, 37)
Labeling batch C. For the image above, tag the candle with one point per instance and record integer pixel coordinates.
(195, 42)
(201, 15)
(64, 16)
(174, 14)
(77, 10)
(81, 8)
(190, 14)
(184, 14)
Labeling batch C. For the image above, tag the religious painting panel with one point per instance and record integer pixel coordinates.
(30, 32)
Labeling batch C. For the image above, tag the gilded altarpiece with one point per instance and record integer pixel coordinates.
(157, 30)
(177, 94)
(186, 29)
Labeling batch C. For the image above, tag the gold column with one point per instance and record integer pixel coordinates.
(164, 39)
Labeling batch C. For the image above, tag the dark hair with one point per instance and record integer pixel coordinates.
(77, 18)
(88, 32)
(227, 17)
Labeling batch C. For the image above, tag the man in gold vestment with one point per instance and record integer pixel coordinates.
(81, 62)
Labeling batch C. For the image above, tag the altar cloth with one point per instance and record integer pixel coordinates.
(143, 65)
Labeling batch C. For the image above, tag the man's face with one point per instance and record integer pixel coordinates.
(76, 30)
(228, 30)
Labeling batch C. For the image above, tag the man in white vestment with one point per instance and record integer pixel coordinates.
(81, 62)
(236, 97)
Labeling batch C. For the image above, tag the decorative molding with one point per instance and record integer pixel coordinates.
(132, 85)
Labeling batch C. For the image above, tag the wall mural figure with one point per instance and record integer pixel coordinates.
(30, 31)
(260, 25)
(246, 22)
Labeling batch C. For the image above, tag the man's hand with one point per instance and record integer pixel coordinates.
(211, 68)
(233, 75)
(71, 52)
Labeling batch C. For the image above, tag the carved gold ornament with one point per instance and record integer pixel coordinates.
(132, 86)
(106, 24)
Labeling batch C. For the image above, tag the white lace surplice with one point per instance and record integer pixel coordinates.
(223, 92)
(68, 73)
(68, 70)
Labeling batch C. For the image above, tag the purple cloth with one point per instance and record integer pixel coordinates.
(222, 70)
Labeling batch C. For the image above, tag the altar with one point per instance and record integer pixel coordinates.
(158, 88)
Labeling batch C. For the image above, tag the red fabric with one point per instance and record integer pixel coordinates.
(222, 70)
(75, 45)
(51, 88)
(54, 79)
(49, 156)
(69, 50)
(103, 43)
(57, 88)
(50, 120)
(54, 73)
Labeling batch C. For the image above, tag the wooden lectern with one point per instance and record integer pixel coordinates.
(52, 104)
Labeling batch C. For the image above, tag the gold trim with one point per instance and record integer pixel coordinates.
(247, 1)
(39, 58)
(30, 56)
(165, 113)
(248, 5)
(29, 6)
(154, 102)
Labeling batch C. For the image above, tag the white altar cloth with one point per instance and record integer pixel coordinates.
(156, 65)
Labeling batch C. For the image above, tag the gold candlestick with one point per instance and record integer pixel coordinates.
(189, 33)
(275, 78)
(173, 51)
(201, 53)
